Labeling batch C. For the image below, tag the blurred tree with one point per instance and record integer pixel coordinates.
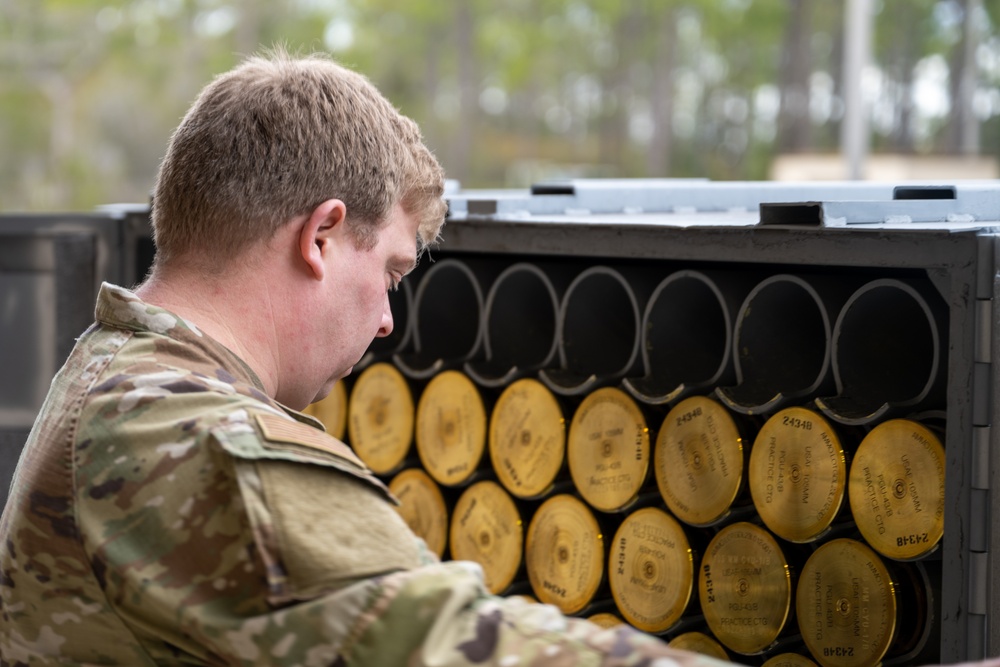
(905, 32)
(795, 67)
(962, 131)
(663, 16)
(506, 93)
(623, 23)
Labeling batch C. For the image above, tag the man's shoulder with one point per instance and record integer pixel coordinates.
(146, 407)
(146, 402)
(163, 378)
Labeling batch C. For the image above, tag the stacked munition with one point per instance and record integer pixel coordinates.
(745, 464)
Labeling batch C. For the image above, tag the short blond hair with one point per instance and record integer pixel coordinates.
(273, 138)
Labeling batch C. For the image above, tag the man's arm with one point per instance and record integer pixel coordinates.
(251, 547)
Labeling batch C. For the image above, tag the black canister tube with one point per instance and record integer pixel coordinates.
(447, 326)
(782, 342)
(888, 352)
(599, 330)
(520, 321)
(687, 335)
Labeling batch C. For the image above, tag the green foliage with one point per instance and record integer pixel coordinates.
(506, 92)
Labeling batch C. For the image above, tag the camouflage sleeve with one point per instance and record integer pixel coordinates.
(264, 543)
(441, 615)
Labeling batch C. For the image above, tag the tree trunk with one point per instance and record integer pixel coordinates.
(617, 89)
(900, 61)
(833, 129)
(432, 88)
(962, 134)
(468, 90)
(662, 94)
(793, 78)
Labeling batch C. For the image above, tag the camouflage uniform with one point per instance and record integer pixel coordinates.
(166, 511)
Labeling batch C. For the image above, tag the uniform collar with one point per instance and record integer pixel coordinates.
(122, 309)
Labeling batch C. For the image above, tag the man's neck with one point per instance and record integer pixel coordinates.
(222, 309)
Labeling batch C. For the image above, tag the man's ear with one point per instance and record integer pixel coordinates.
(316, 234)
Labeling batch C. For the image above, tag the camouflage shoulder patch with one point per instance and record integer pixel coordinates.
(280, 433)
(323, 530)
(259, 435)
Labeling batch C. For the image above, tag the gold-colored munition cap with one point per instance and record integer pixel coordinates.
(846, 605)
(527, 438)
(797, 474)
(380, 418)
(605, 620)
(745, 588)
(332, 411)
(897, 489)
(651, 570)
(789, 660)
(699, 642)
(608, 449)
(699, 461)
(422, 507)
(486, 528)
(565, 553)
(451, 428)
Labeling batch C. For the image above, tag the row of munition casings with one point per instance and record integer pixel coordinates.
(865, 347)
(780, 311)
(485, 519)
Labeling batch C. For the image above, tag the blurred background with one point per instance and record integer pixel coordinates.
(511, 92)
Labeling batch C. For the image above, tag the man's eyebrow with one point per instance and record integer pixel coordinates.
(402, 264)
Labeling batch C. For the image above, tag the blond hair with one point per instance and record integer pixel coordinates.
(271, 140)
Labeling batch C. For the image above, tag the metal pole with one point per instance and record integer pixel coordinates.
(969, 124)
(857, 55)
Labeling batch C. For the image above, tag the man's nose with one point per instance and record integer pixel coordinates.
(386, 327)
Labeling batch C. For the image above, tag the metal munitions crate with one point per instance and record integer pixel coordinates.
(568, 242)
(941, 235)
